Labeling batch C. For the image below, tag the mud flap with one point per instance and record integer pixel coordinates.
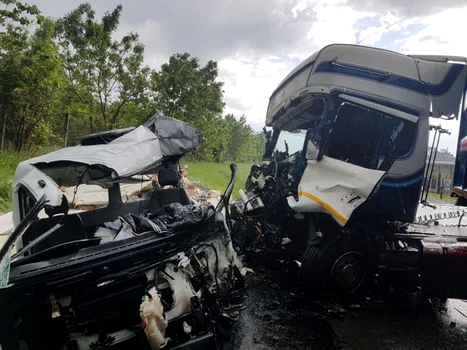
(334, 187)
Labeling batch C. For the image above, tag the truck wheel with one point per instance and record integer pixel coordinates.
(334, 267)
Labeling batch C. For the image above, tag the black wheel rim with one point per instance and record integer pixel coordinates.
(348, 272)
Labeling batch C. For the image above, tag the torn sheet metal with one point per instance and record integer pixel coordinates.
(137, 151)
(175, 137)
(125, 155)
(445, 82)
(335, 187)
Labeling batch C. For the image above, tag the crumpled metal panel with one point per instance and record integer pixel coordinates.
(135, 151)
(175, 136)
(30, 178)
(335, 187)
(125, 155)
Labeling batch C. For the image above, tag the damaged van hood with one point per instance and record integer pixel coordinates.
(136, 151)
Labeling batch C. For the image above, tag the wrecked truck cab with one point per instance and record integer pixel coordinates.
(76, 277)
(370, 108)
(362, 115)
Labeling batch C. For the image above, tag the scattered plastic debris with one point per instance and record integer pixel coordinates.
(245, 270)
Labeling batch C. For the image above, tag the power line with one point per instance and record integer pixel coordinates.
(387, 27)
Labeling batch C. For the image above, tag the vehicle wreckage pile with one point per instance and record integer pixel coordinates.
(158, 267)
(337, 191)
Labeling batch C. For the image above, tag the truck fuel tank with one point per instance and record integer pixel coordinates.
(444, 268)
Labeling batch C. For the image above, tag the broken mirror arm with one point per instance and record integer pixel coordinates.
(225, 198)
(23, 226)
(38, 240)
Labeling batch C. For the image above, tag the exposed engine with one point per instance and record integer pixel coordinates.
(162, 273)
(199, 291)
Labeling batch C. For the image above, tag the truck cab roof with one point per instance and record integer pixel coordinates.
(420, 85)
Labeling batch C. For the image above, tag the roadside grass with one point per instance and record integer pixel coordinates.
(217, 175)
(446, 197)
(8, 162)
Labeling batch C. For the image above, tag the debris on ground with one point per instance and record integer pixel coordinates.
(278, 315)
(245, 270)
(195, 189)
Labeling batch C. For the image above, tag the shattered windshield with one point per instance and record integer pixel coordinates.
(290, 142)
(363, 137)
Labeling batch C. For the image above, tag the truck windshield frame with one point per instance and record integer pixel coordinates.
(367, 138)
(290, 141)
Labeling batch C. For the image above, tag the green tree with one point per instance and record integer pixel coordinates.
(239, 134)
(14, 12)
(30, 78)
(259, 142)
(185, 90)
(243, 143)
(14, 17)
(13, 43)
(104, 74)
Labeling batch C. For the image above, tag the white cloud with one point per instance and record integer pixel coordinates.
(444, 34)
(334, 24)
(299, 7)
(371, 35)
(248, 84)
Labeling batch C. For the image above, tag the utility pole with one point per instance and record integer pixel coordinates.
(67, 127)
(441, 183)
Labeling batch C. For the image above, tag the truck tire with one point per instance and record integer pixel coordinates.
(335, 267)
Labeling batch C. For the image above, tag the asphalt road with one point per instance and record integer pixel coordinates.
(280, 315)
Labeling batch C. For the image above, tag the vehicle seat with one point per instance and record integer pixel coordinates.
(161, 198)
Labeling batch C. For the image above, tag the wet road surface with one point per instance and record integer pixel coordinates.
(280, 315)
(402, 326)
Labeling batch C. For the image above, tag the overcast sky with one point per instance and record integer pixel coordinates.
(257, 42)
